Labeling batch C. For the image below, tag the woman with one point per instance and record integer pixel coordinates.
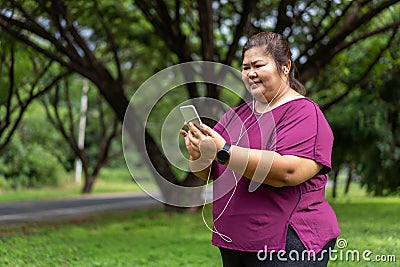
(275, 222)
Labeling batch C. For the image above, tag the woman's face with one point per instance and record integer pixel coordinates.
(260, 75)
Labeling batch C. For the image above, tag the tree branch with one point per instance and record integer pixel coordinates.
(248, 8)
(166, 29)
(11, 77)
(366, 35)
(25, 105)
(206, 29)
(364, 76)
(283, 21)
(318, 37)
(325, 53)
(58, 123)
(72, 132)
(111, 40)
(79, 40)
(105, 146)
(78, 65)
(37, 29)
(56, 20)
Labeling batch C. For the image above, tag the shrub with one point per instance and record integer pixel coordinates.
(29, 165)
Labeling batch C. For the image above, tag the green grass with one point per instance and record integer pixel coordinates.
(367, 223)
(141, 238)
(155, 238)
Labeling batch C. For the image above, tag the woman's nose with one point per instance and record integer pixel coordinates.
(252, 74)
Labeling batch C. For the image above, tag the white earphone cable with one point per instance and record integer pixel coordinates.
(223, 236)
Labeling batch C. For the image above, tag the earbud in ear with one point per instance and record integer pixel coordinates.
(285, 70)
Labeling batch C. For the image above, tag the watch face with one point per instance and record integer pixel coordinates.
(222, 156)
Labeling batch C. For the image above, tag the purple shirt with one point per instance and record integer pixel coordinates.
(253, 220)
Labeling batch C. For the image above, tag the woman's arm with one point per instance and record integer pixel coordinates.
(202, 174)
(262, 166)
(271, 168)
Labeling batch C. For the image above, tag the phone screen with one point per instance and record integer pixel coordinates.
(190, 114)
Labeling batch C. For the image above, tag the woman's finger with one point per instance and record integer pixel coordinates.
(207, 130)
(192, 138)
(183, 133)
(186, 126)
(194, 147)
(196, 129)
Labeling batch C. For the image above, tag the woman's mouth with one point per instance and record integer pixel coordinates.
(254, 85)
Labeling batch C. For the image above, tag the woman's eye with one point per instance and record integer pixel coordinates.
(245, 68)
(259, 66)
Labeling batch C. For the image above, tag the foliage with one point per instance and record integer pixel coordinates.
(364, 122)
(36, 156)
(24, 76)
(383, 179)
(36, 128)
(29, 165)
(98, 126)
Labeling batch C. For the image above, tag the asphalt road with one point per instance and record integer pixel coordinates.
(69, 208)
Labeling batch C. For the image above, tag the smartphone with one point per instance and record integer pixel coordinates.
(190, 114)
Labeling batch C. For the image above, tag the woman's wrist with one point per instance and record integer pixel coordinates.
(238, 159)
(199, 164)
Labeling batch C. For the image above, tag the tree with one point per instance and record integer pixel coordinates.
(35, 156)
(362, 121)
(107, 129)
(56, 31)
(92, 38)
(20, 89)
(382, 178)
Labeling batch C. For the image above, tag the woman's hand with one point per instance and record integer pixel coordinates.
(202, 150)
(202, 141)
(194, 152)
(212, 135)
(214, 141)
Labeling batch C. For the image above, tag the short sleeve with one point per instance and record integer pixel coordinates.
(221, 124)
(303, 131)
(232, 114)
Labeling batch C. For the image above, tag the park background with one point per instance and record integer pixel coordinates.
(53, 54)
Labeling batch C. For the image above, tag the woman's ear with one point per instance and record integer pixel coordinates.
(286, 67)
(285, 70)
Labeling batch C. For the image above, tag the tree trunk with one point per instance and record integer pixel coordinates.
(348, 180)
(335, 182)
(158, 164)
(89, 182)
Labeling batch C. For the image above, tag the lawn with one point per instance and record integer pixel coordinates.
(155, 238)
(141, 238)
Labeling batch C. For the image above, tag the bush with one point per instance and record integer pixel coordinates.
(29, 165)
(3, 182)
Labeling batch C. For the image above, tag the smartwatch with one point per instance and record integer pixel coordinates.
(223, 154)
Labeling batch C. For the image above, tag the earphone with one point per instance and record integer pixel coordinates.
(285, 70)
(241, 134)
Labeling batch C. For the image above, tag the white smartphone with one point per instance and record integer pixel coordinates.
(190, 114)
